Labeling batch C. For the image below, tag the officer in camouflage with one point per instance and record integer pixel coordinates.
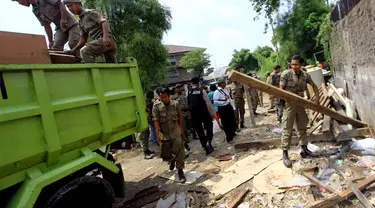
(274, 80)
(94, 25)
(167, 116)
(182, 100)
(295, 81)
(237, 92)
(254, 95)
(54, 11)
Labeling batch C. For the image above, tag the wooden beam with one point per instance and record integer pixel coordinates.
(277, 142)
(361, 197)
(250, 106)
(326, 124)
(335, 199)
(361, 132)
(59, 58)
(238, 199)
(291, 97)
(315, 127)
(313, 179)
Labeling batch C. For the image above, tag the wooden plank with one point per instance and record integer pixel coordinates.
(324, 103)
(291, 97)
(355, 190)
(332, 200)
(338, 107)
(18, 48)
(326, 124)
(361, 132)
(338, 132)
(57, 58)
(250, 106)
(277, 142)
(313, 179)
(238, 199)
(315, 127)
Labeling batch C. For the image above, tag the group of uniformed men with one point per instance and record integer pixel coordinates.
(67, 30)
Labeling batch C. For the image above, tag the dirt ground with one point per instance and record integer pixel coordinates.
(140, 173)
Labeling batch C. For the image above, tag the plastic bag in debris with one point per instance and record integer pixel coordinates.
(313, 147)
(216, 127)
(365, 163)
(364, 144)
(180, 201)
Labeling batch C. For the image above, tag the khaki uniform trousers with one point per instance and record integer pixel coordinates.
(70, 36)
(173, 151)
(294, 113)
(96, 48)
(240, 111)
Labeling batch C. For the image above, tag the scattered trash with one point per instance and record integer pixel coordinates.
(234, 158)
(299, 206)
(339, 162)
(258, 197)
(244, 205)
(221, 206)
(313, 147)
(324, 174)
(191, 176)
(277, 130)
(225, 157)
(365, 163)
(173, 201)
(364, 144)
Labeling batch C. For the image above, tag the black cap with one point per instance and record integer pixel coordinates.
(276, 67)
(195, 80)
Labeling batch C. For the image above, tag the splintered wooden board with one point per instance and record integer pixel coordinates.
(241, 171)
(291, 97)
(18, 48)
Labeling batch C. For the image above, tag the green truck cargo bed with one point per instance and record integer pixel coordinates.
(49, 114)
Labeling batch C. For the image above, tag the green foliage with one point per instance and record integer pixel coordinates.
(264, 51)
(197, 60)
(297, 29)
(324, 37)
(266, 64)
(138, 26)
(244, 59)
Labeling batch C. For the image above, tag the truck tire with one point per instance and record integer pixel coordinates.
(86, 191)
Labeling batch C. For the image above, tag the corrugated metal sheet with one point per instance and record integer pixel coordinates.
(342, 8)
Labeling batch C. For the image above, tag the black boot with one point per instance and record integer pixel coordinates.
(181, 176)
(208, 150)
(307, 153)
(286, 160)
(148, 155)
(242, 126)
(172, 165)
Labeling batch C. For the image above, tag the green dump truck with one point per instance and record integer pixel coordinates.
(57, 122)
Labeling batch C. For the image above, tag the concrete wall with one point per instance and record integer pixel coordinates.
(353, 54)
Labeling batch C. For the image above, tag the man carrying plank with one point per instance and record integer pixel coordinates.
(295, 81)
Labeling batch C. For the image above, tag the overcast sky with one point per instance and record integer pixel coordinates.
(218, 25)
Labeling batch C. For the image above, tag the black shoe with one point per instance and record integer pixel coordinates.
(172, 165)
(148, 156)
(255, 113)
(187, 147)
(149, 152)
(210, 147)
(242, 126)
(238, 130)
(181, 176)
(279, 120)
(208, 150)
(286, 160)
(307, 153)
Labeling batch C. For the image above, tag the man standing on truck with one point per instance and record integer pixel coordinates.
(167, 116)
(295, 81)
(96, 26)
(54, 11)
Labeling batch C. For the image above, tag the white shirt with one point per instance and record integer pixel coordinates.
(220, 97)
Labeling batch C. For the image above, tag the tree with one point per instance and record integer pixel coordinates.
(208, 71)
(264, 51)
(244, 59)
(297, 30)
(138, 26)
(197, 60)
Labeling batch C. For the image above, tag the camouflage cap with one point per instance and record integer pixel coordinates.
(220, 80)
(72, 1)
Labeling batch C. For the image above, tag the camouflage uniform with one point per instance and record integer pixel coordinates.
(274, 80)
(296, 84)
(145, 136)
(48, 11)
(172, 145)
(237, 91)
(182, 100)
(90, 23)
